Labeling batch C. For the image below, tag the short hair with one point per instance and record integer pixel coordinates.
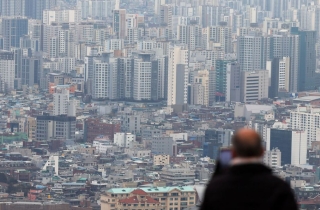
(247, 149)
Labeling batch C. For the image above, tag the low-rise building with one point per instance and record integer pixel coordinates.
(272, 158)
(161, 160)
(124, 139)
(159, 198)
(177, 175)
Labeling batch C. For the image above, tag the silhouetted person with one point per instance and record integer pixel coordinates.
(248, 184)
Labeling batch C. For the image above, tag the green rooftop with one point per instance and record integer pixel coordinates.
(6, 138)
(151, 189)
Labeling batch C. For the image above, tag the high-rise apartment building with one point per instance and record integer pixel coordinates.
(306, 119)
(221, 79)
(190, 35)
(7, 71)
(280, 74)
(210, 15)
(13, 7)
(200, 88)
(178, 76)
(119, 23)
(233, 79)
(61, 16)
(307, 59)
(13, 28)
(101, 80)
(166, 19)
(142, 80)
(60, 102)
(254, 85)
(157, 5)
(251, 52)
(31, 69)
(98, 9)
(285, 45)
(221, 34)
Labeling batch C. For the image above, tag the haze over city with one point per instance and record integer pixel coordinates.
(125, 105)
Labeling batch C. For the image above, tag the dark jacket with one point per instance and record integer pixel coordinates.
(248, 187)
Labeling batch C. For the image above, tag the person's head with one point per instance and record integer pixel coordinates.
(247, 143)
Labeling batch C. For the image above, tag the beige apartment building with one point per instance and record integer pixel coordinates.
(153, 198)
(161, 160)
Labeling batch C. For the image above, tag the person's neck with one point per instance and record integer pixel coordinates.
(242, 160)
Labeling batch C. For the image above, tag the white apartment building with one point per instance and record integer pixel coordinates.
(279, 75)
(113, 44)
(124, 139)
(307, 119)
(142, 80)
(66, 64)
(250, 53)
(146, 45)
(177, 76)
(62, 105)
(284, 71)
(61, 16)
(189, 35)
(157, 5)
(255, 85)
(7, 71)
(252, 12)
(103, 146)
(100, 85)
(61, 102)
(272, 158)
(97, 9)
(221, 35)
(132, 35)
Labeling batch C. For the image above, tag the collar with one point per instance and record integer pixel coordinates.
(239, 161)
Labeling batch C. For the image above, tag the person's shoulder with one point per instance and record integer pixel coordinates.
(218, 181)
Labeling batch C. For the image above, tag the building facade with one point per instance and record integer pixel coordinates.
(62, 127)
(291, 143)
(254, 85)
(159, 198)
(7, 71)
